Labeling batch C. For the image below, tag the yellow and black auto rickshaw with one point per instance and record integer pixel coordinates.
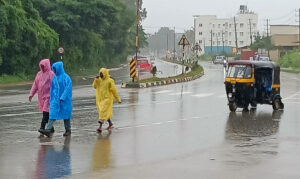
(252, 82)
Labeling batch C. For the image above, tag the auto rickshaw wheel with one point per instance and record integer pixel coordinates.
(276, 104)
(232, 106)
(281, 105)
(253, 105)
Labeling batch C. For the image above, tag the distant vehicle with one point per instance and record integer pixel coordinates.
(144, 64)
(264, 58)
(219, 60)
(152, 59)
(248, 54)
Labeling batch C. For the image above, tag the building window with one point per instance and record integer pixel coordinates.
(213, 25)
(241, 34)
(200, 25)
(219, 25)
(200, 33)
(200, 41)
(213, 34)
(229, 25)
(241, 25)
(218, 33)
(214, 43)
(229, 42)
(223, 25)
(229, 34)
(254, 25)
(241, 42)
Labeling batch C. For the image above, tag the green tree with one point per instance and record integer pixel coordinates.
(24, 38)
(262, 43)
(93, 32)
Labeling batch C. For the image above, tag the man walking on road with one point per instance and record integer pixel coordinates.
(41, 85)
(106, 91)
(60, 99)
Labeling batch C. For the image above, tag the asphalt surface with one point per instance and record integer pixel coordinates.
(182, 130)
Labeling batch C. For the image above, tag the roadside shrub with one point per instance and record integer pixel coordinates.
(290, 60)
(205, 57)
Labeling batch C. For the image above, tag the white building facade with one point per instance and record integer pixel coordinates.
(215, 32)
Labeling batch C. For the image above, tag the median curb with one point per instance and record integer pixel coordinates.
(161, 83)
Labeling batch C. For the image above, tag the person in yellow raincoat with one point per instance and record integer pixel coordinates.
(105, 93)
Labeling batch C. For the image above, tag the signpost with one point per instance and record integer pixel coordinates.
(133, 69)
(61, 51)
(183, 41)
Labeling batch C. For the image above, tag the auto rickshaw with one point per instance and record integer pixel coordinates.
(252, 82)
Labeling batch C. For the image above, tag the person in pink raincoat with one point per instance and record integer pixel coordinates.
(41, 85)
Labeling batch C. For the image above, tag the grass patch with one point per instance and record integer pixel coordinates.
(290, 60)
(6, 79)
(196, 70)
(290, 70)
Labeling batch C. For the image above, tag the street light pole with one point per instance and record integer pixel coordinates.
(137, 28)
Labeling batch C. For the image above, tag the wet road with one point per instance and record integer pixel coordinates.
(176, 131)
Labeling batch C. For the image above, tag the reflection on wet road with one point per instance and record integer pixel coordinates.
(177, 131)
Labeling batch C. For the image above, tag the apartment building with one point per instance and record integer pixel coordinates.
(217, 33)
(284, 36)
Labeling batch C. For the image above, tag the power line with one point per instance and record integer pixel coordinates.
(284, 16)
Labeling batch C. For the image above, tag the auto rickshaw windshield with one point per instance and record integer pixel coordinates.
(239, 71)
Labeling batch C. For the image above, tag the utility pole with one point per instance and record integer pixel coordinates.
(211, 41)
(236, 41)
(299, 28)
(137, 27)
(174, 42)
(268, 36)
(167, 40)
(217, 43)
(223, 40)
(267, 27)
(250, 31)
(137, 32)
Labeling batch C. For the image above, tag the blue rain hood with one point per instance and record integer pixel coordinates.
(60, 93)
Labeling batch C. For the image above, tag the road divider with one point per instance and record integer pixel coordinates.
(195, 73)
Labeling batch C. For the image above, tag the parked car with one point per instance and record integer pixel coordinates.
(152, 59)
(219, 60)
(144, 64)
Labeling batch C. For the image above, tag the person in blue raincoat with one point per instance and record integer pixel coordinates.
(60, 99)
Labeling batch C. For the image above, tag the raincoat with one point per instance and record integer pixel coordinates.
(60, 93)
(106, 91)
(41, 85)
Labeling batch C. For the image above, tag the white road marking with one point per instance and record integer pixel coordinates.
(291, 102)
(163, 91)
(201, 95)
(292, 96)
(23, 106)
(155, 123)
(166, 102)
(180, 93)
(20, 114)
(222, 96)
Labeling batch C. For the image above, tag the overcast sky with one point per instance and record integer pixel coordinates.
(179, 13)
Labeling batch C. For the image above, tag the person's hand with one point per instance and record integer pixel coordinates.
(30, 98)
(119, 102)
(97, 77)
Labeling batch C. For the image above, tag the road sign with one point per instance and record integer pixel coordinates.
(61, 50)
(183, 41)
(133, 68)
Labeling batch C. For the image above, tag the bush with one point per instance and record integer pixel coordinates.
(290, 60)
(206, 57)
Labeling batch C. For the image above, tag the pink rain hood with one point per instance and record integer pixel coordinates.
(41, 85)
